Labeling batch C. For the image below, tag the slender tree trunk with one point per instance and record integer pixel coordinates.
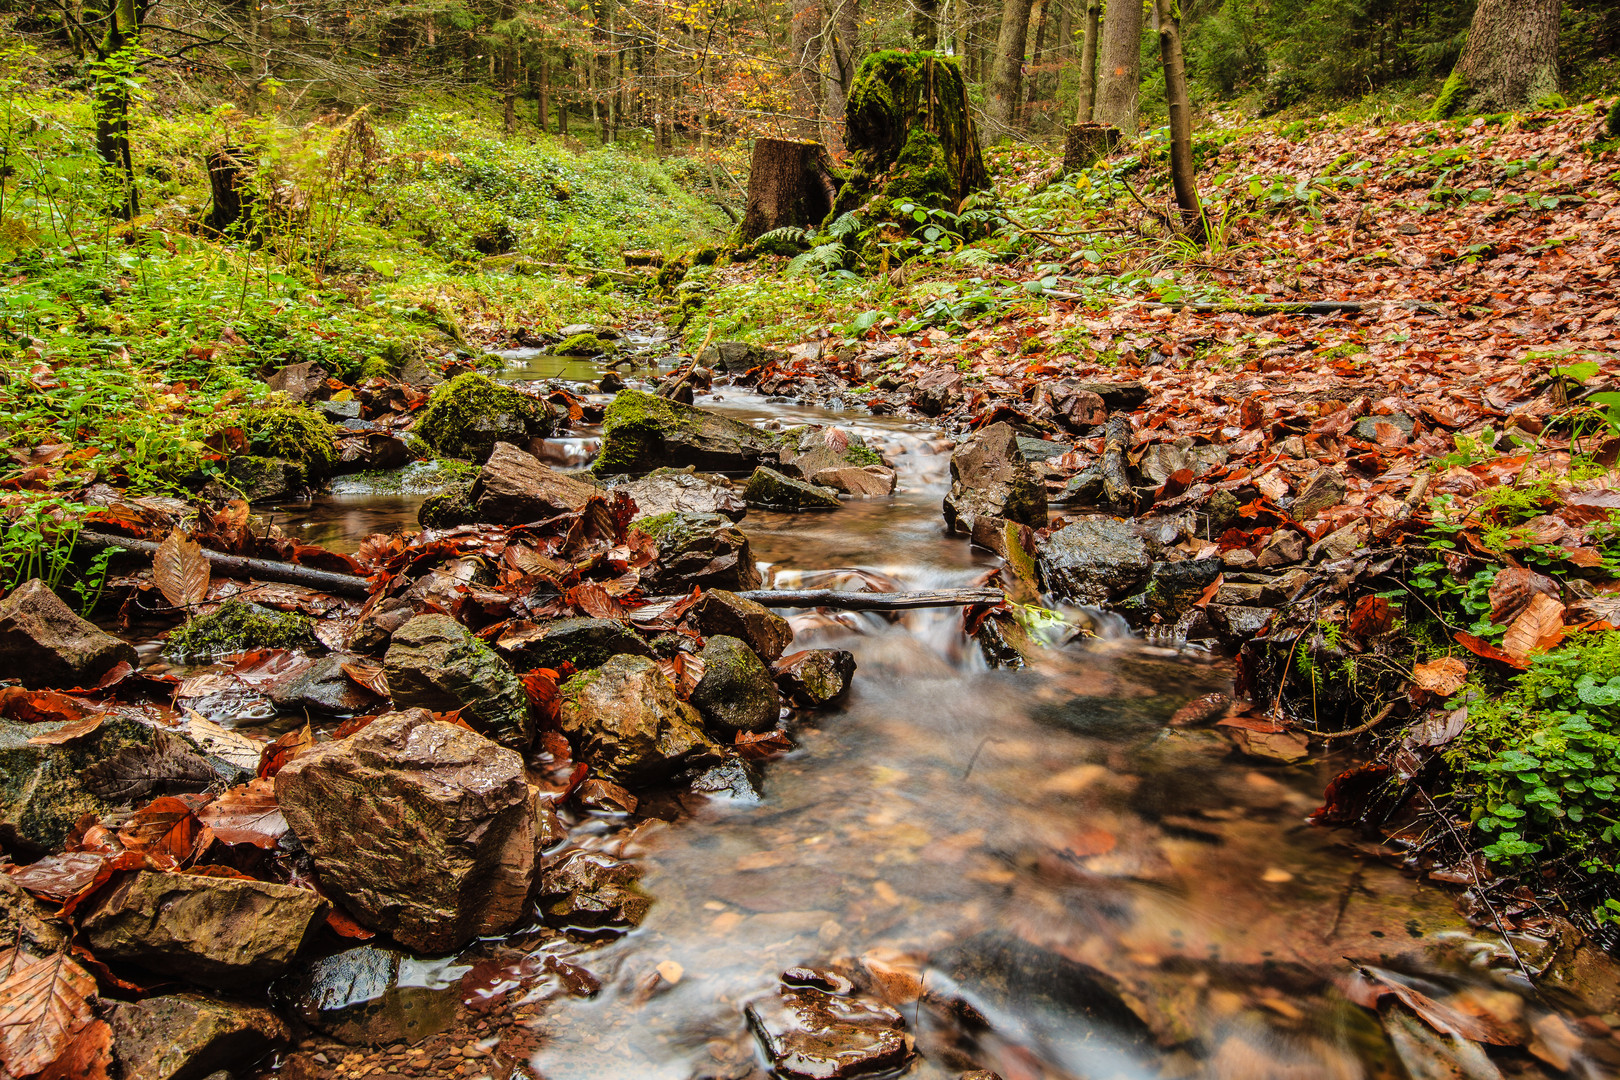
(1037, 19)
(1510, 61)
(1065, 31)
(111, 101)
(925, 24)
(1182, 174)
(1120, 75)
(803, 76)
(542, 103)
(1088, 64)
(1007, 79)
(841, 52)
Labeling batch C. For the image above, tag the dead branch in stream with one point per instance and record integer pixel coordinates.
(236, 566)
(863, 601)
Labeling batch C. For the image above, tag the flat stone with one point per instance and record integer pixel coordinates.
(44, 643)
(185, 1036)
(1338, 544)
(212, 930)
(990, 477)
(583, 642)
(625, 721)
(1121, 396)
(1093, 560)
(1392, 430)
(809, 1034)
(719, 611)
(1324, 489)
(435, 663)
(775, 491)
(1239, 559)
(683, 491)
(1239, 593)
(736, 692)
(325, 689)
(813, 678)
(369, 996)
(698, 549)
(514, 487)
(1234, 623)
(424, 829)
(867, 482)
(1071, 404)
(1041, 449)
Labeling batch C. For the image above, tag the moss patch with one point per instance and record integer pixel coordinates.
(468, 415)
(236, 626)
(1450, 99)
(582, 345)
(293, 433)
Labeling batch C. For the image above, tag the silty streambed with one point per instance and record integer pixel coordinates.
(1077, 889)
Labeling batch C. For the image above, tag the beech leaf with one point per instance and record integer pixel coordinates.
(246, 815)
(1444, 676)
(1538, 626)
(165, 766)
(180, 570)
(43, 1004)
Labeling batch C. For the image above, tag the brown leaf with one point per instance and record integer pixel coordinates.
(1512, 590)
(68, 732)
(247, 814)
(1371, 617)
(283, 750)
(44, 1004)
(87, 1057)
(41, 706)
(369, 676)
(165, 766)
(763, 744)
(1444, 676)
(594, 601)
(165, 829)
(60, 877)
(342, 924)
(180, 570)
(1374, 984)
(1539, 625)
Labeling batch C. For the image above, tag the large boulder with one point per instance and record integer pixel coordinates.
(772, 490)
(719, 611)
(435, 663)
(826, 448)
(736, 692)
(1093, 560)
(698, 549)
(467, 416)
(683, 491)
(585, 643)
(188, 1036)
(514, 487)
(991, 478)
(627, 724)
(45, 789)
(217, 931)
(642, 432)
(425, 830)
(44, 644)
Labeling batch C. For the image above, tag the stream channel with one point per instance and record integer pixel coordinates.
(1072, 884)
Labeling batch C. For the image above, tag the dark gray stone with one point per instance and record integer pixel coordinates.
(1093, 560)
(736, 692)
(44, 643)
(435, 663)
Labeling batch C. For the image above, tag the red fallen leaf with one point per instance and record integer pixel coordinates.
(342, 924)
(68, 732)
(452, 718)
(87, 1057)
(41, 706)
(60, 877)
(1174, 484)
(1539, 626)
(1512, 590)
(575, 778)
(1371, 617)
(351, 726)
(248, 814)
(124, 860)
(368, 676)
(319, 558)
(541, 687)
(594, 601)
(762, 744)
(166, 829)
(45, 1003)
(283, 750)
(1371, 985)
(89, 834)
(1480, 647)
(104, 974)
(230, 872)
(1348, 794)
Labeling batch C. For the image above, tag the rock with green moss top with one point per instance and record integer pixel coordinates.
(468, 415)
(259, 480)
(698, 549)
(586, 344)
(584, 643)
(626, 722)
(827, 448)
(816, 677)
(772, 490)
(736, 692)
(435, 663)
(1614, 120)
(642, 432)
(236, 626)
(447, 509)
(292, 433)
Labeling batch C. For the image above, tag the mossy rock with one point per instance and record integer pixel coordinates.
(262, 479)
(468, 415)
(1614, 120)
(770, 489)
(448, 508)
(236, 626)
(582, 345)
(642, 432)
(292, 433)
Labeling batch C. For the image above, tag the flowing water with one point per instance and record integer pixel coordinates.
(1077, 889)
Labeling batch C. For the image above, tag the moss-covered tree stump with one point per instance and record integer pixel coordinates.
(790, 183)
(1088, 144)
(910, 131)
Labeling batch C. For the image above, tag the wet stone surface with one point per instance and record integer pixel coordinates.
(809, 1034)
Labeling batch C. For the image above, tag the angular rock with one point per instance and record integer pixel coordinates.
(1004, 642)
(1093, 560)
(989, 477)
(809, 1034)
(302, 382)
(1281, 548)
(642, 432)
(1338, 544)
(29, 922)
(590, 890)
(186, 1036)
(212, 930)
(424, 829)
(698, 549)
(324, 688)
(1071, 405)
(514, 487)
(826, 448)
(683, 491)
(815, 677)
(1239, 559)
(718, 611)
(627, 724)
(1174, 587)
(736, 692)
(738, 356)
(771, 489)
(873, 480)
(43, 643)
(367, 997)
(1325, 488)
(734, 778)
(1038, 450)
(585, 643)
(1234, 624)
(467, 416)
(1122, 396)
(435, 663)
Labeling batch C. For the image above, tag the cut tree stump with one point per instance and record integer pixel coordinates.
(1088, 144)
(233, 196)
(789, 184)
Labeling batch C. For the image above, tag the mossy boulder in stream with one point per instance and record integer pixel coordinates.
(626, 722)
(769, 488)
(236, 626)
(468, 415)
(698, 549)
(294, 433)
(642, 432)
(736, 692)
(586, 344)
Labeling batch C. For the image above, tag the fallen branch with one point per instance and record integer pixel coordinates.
(862, 601)
(1117, 490)
(235, 566)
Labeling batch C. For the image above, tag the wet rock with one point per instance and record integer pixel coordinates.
(1281, 548)
(734, 778)
(1071, 404)
(585, 643)
(627, 724)
(1236, 623)
(873, 480)
(1121, 396)
(736, 692)
(301, 382)
(29, 922)
(211, 930)
(1093, 560)
(611, 383)
(989, 477)
(642, 432)
(259, 480)
(683, 491)
(718, 611)
(1084, 488)
(698, 549)
(678, 388)
(815, 677)
(1239, 559)
(590, 890)
(736, 356)
(826, 448)
(1391, 430)
(44, 789)
(937, 392)
(1338, 544)
(43, 643)
(771, 489)
(514, 487)
(324, 688)
(435, 663)
(1035, 450)
(374, 630)
(1324, 489)
(467, 416)
(368, 996)
(809, 1034)
(1174, 587)
(425, 829)
(185, 1036)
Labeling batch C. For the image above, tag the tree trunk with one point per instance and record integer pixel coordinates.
(1007, 78)
(110, 105)
(1088, 64)
(840, 50)
(233, 198)
(803, 76)
(1510, 61)
(543, 99)
(1086, 145)
(925, 24)
(1037, 19)
(1120, 75)
(1182, 174)
(789, 183)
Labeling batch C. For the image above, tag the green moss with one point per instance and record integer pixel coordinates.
(293, 433)
(920, 175)
(236, 626)
(582, 345)
(862, 456)
(1449, 102)
(448, 508)
(466, 416)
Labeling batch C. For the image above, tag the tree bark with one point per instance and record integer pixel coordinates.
(803, 61)
(236, 566)
(232, 198)
(789, 183)
(1086, 145)
(1120, 70)
(840, 51)
(1182, 174)
(110, 104)
(1510, 61)
(925, 24)
(1007, 78)
(1088, 64)
(1037, 18)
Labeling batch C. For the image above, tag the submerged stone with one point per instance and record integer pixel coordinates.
(369, 996)
(809, 1034)
(683, 491)
(592, 891)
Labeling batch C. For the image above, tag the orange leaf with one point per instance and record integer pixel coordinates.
(247, 814)
(341, 924)
(1370, 617)
(68, 732)
(1444, 676)
(44, 1003)
(180, 570)
(283, 750)
(1480, 647)
(87, 1057)
(165, 829)
(1541, 620)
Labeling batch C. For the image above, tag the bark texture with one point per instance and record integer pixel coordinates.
(1119, 75)
(1182, 174)
(803, 57)
(840, 54)
(1008, 76)
(1086, 145)
(1510, 61)
(790, 183)
(1088, 64)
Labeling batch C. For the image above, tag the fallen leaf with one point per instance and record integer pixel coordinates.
(44, 1002)
(368, 676)
(165, 829)
(248, 814)
(1371, 617)
(164, 766)
(1371, 985)
(180, 570)
(78, 729)
(1480, 647)
(1444, 676)
(1541, 620)
(60, 877)
(764, 744)
(88, 1055)
(1438, 728)
(1513, 589)
(283, 750)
